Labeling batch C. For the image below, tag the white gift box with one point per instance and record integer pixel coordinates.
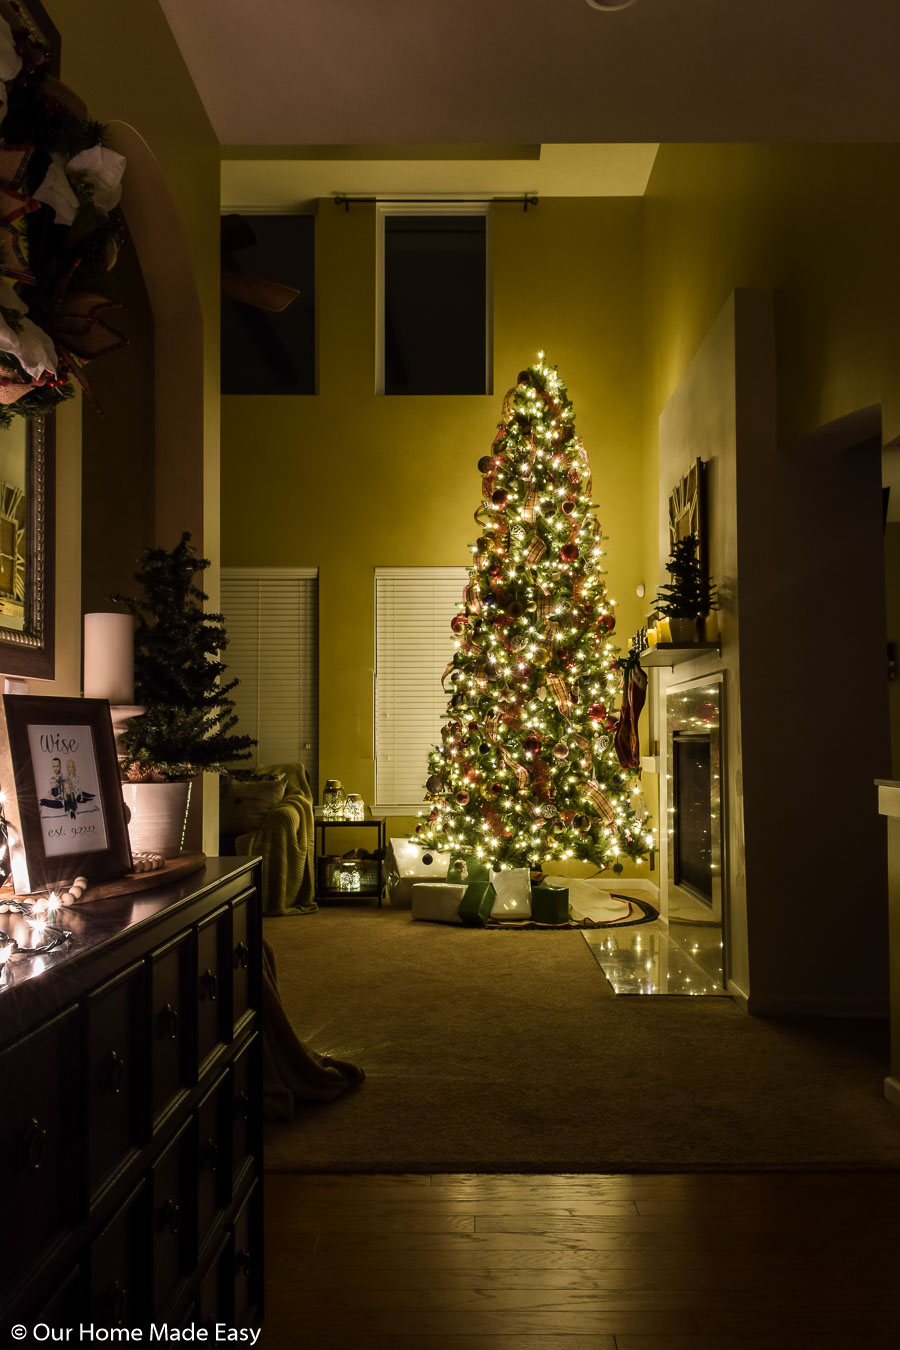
(405, 867)
(513, 890)
(437, 901)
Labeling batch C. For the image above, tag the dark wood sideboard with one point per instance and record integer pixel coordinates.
(131, 1112)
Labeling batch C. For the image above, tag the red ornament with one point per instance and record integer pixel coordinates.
(496, 789)
(458, 623)
(597, 712)
(587, 609)
(606, 623)
(531, 744)
(568, 506)
(472, 726)
(462, 798)
(500, 497)
(569, 552)
(485, 464)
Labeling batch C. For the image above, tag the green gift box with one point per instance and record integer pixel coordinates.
(550, 904)
(476, 905)
(465, 867)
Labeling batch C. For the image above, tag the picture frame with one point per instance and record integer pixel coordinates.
(59, 773)
(687, 509)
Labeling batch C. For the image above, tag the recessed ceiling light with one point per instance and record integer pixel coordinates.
(610, 4)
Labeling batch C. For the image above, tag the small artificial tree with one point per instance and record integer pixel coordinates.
(187, 726)
(527, 770)
(690, 593)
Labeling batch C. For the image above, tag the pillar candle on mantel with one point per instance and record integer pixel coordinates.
(109, 657)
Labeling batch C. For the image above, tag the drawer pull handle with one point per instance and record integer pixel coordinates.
(115, 1073)
(116, 1300)
(211, 1154)
(241, 956)
(168, 1023)
(243, 1262)
(209, 986)
(242, 1106)
(172, 1216)
(34, 1144)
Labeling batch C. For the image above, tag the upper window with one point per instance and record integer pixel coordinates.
(434, 312)
(266, 350)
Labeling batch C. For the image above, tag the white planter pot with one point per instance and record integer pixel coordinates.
(158, 816)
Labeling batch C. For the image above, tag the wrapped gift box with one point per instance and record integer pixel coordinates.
(550, 904)
(437, 901)
(404, 867)
(477, 904)
(513, 893)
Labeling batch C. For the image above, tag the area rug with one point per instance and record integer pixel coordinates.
(491, 1050)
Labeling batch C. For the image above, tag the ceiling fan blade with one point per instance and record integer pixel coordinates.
(257, 291)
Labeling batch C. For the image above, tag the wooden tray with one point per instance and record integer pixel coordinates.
(174, 868)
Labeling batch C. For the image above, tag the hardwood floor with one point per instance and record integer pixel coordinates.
(638, 1262)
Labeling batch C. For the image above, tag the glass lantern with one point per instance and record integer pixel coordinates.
(354, 807)
(333, 799)
(349, 878)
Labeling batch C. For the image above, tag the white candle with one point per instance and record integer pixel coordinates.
(109, 657)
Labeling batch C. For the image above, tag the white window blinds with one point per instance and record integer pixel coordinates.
(413, 644)
(271, 618)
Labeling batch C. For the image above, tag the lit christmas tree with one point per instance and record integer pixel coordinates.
(527, 769)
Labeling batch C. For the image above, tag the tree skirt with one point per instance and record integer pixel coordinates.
(592, 906)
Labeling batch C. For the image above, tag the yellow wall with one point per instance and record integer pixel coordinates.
(348, 481)
(816, 225)
(141, 80)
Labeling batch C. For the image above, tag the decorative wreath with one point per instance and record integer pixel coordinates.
(58, 187)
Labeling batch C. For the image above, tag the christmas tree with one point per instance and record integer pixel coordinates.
(527, 769)
(189, 719)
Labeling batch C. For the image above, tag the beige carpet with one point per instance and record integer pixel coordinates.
(506, 1051)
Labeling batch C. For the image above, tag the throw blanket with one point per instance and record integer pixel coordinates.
(291, 1071)
(284, 841)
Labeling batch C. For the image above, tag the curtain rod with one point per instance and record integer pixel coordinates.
(344, 199)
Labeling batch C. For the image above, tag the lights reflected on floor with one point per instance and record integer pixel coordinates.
(656, 958)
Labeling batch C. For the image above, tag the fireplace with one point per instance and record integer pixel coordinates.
(691, 820)
(694, 791)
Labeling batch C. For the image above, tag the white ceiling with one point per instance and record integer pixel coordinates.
(358, 72)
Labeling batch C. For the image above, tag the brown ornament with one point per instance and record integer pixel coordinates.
(500, 497)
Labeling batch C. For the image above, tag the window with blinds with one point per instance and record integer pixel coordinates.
(413, 644)
(271, 618)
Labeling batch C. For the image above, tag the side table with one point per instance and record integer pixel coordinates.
(327, 884)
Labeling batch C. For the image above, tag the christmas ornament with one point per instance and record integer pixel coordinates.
(485, 464)
(462, 798)
(500, 497)
(605, 624)
(601, 744)
(518, 644)
(458, 623)
(548, 811)
(568, 506)
(531, 744)
(581, 823)
(569, 552)
(597, 712)
(435, 783)
(560, 750)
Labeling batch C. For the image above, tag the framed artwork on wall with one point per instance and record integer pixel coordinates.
(687, 510)
(63, 797)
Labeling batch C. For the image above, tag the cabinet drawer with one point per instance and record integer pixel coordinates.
(244, 942)
(116, 1074)
(41, 1138)
(213, 1154)
(248, 1264)
(172, 1024)
(245, 1089)
(119, 1288)
(174, 1218)
(213, 984)
(213, 1302)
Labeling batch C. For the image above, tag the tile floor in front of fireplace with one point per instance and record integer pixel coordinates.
(660, 958)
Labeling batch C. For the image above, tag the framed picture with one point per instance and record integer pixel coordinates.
(63, 797)
(687, 509)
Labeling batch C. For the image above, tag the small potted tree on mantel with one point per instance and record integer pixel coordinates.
(690, 594)
(186, 725)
